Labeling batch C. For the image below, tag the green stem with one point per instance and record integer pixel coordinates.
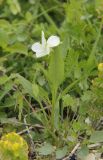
(53, 108)
(49, 19)
(68, 88)
(42, 108)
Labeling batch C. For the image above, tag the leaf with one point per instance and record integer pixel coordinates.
(32, 89)
(4, 24)
(38, 116)
(21, 37)
(28, 16)
(91, 64)
(35, 89)
(96, 137)
(19, 101)
(6, 89)
(18, 48)
(8, 103)
(74, 11)
(56, 70)
(46, 149)
(71, 61)
(2, 115)
(83, 152)
(70, 102)
(43, 94)
(86, 96)
(78, 125)
(26, 84)
(12, 121)
(14, 6)
(3, 38)
(3, 79)
(60, 153)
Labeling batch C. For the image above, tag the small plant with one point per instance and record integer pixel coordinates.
(44, 48)
(13, 147)
(50, 87)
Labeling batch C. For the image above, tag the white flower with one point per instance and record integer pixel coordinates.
(44, 48)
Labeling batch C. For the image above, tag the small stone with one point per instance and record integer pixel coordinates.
(88, 121)
(91, 156)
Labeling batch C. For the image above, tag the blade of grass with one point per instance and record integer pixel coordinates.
(49, 19)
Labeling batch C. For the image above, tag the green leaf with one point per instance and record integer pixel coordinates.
(45, 150)
(12, 121)
(6, 89)
(14, 6)
(97, 137)
(78, 126)
(26, 84)
(74, 11)
(21, 37)
(70, 102)
(35, 89)
(19, 101)
(38, 116)
(18, 48)
(56, 70)
(28, 16)
(3, 79)
(86, 96)
(4, 24)
(9, 102)
(43, 94)
(71, 61)
(3, 38)
(60, 153)
(83, 152)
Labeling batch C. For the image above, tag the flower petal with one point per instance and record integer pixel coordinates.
(47, 50)
(40, 51)
(39, 54)
(43, 40)
(37, 47)
(53, 41)
(44, 52)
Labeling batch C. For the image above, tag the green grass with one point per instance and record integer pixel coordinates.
(53, 96)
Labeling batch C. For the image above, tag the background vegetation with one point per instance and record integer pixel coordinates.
(58, 99)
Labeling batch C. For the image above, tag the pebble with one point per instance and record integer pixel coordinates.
(91, 156)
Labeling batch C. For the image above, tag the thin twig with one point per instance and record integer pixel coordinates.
(30, 128)
(30, 136)
(15, 88)
(99, 123)
(92, 146)
(33, 110)
(25, 130)
(72, 152)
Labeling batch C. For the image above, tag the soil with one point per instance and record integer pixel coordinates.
(73, 157)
